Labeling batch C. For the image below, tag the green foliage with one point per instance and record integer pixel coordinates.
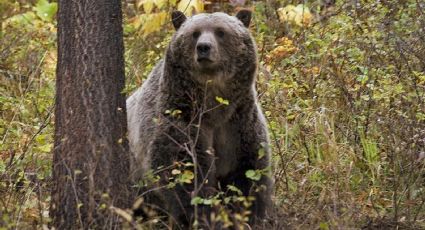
(253, 174)
(222, 202)
(152, 14)
(342, 99)
(27, 65)
(46, 10)
(342, 87)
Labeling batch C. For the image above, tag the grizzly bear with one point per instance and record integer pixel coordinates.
(198, 111)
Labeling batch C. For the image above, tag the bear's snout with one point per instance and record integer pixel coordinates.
(203, 49)
(206, 49)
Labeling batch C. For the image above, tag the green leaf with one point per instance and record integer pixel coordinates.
(208, 201)
(253, 174)
(323, 226)
(23, 20)
(234, 189)
(261, 153)
(173, 113)
(45, 148)
(45, 10)
(196, 200)
(186, 177)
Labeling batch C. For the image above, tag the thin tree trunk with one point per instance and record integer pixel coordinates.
(91, 157)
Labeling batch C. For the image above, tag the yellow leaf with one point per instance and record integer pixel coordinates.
(124, 214)
(286, 13)
(175, 172)
(190, 7)
(222, 100)
(285, 48)
(147, 5)
(299, 15)
(139, 3)
(304, 16)
(160, 3)
(151, 22)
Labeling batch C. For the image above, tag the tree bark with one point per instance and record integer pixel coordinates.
(91, 156)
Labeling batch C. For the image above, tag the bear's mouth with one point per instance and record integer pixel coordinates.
(206, 65)
(204, 60)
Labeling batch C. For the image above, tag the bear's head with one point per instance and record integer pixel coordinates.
(213, 46)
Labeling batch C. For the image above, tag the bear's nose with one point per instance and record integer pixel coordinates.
(203, 49)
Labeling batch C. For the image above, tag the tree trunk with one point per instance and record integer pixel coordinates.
(91, 156)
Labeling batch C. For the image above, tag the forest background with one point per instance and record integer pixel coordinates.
(342, 84)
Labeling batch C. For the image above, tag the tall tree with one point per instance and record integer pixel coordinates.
(91, 157)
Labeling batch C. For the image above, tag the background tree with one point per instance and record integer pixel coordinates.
(91, 159)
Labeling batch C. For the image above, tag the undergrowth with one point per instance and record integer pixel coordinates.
(343, 91)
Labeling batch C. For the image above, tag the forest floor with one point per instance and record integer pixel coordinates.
(342, 86)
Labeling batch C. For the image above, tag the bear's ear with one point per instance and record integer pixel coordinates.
(177, 18)
(244, 16)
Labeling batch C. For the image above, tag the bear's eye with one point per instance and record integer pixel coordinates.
(219, 33)
(196, 34)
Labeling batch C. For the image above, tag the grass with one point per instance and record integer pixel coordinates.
(344, 99)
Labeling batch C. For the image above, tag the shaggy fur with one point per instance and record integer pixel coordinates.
(224, 140)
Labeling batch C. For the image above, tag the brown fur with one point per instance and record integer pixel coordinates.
(210, 55)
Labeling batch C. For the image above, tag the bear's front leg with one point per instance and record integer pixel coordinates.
(255, 156)
(186, 167)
